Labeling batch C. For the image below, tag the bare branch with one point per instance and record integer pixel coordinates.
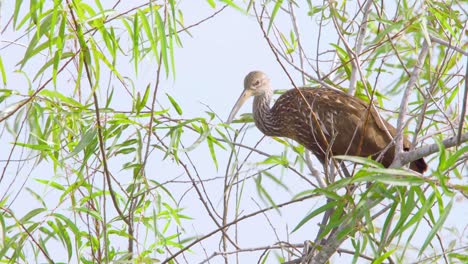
(463, 110)
(407, 157)
(314, 170)
(356, 64)
(173, 256)
(405, 100)
(449, 45)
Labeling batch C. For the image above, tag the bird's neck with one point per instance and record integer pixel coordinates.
(264, 118)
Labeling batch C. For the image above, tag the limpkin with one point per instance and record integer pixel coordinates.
(339, 124)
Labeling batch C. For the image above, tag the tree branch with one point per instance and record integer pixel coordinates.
(404, 104)
(356, 64)
(407, 157)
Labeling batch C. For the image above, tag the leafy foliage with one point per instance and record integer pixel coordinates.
(109, 165)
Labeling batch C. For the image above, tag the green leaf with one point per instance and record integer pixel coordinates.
(397, 180)
(360, 160)
(60, 98)
(148, 31)
(174, 104)
(212, 3)
(276, 160)
(276, 180)
(163, 41)
(384, 256)
(135, 38)
(442, 154)
(212, 152)
(463, 258)
(31, 214)
(52, 62)
(85, 141)
(51, 183)
(233, 5)
(314, 213)
(96, 215)
(262, 192)
(453, 158)
(2, 71)
(438, 225)
(274, 12)
(16, 11)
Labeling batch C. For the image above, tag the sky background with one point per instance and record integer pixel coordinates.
(210, 68)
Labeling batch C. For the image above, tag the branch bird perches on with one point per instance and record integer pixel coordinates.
(322, 120)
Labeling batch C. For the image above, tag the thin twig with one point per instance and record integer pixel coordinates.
(173, 256)
(465, 101)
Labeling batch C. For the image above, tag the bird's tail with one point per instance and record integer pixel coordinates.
(419, 165)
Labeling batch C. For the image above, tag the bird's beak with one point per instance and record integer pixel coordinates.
(243, 97)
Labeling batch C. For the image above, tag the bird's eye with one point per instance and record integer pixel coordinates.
(256, 83)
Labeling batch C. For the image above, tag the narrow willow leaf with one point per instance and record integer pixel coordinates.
(32, 50)
(276, 160)
(454, 157)
(212, 3)
(59, 97)
(53, 62)
(265, 258)
(438, 225)
(360, 160)
(135, 38)
(212, 152)
(463, 258)
(174, 104)
(163, 41)
(203, 135)
(2, 71)
(387, 226)
(144, 100)
(337, 220)
(103, 58)
(39, 147)
(215, 141)
(442, 153)
(62, 232)
(148, 31)
(88, 137)
(172, 34)
(314, 213)
(276, 180)
(383, 257)
(263, 193)
(426, 206)
(31, 214)
(70, 223)
(274, 13)
(96, 215)
(37, 196)
(233, 5)
(16, 12)
(396, 180)
(51, 183)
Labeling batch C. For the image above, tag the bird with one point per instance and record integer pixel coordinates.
(324, 120)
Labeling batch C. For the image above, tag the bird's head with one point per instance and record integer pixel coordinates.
(256, 83)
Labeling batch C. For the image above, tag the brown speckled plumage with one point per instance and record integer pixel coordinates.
(336, 123)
